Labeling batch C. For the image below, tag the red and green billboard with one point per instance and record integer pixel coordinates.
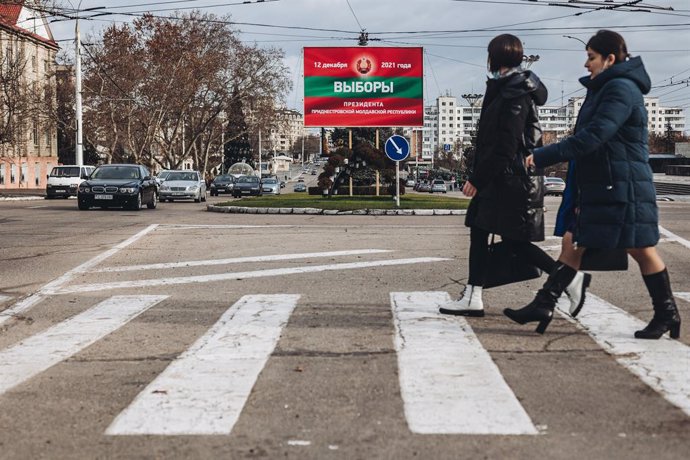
(349, 87)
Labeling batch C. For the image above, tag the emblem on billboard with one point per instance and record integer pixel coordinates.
(363, 66)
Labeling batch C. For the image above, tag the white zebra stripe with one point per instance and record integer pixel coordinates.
(661, 364)
(448, 381)
(204, 390)
(39, 352)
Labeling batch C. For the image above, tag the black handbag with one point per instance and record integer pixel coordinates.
(505, 267)
(604, 260)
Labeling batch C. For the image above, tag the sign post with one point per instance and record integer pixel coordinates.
(397, 149)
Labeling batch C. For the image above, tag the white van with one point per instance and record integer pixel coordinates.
(64, 180)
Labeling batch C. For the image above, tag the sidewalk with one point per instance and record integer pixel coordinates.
(22, 194)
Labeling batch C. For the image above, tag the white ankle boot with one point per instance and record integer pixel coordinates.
(470, 304)
(576, 292)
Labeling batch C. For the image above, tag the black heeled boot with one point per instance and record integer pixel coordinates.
(666, 317)
(541, 308)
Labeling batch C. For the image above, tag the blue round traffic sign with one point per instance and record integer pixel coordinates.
(397, 148)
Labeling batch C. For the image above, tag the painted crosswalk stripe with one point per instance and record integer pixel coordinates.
(144, 283)
(34, 355)
(448, 381)
(661, 364)
(50, 288)
(205, 389)
(683, 295)
(239, 260)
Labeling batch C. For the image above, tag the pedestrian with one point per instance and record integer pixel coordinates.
(506, 201)
(609, 201)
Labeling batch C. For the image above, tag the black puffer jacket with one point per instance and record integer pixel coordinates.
(509, 201)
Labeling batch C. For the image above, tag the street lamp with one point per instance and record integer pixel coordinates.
(472, 100)
(575, 38)
(529, 60)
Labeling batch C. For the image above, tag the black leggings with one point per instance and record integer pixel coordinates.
(479, 254)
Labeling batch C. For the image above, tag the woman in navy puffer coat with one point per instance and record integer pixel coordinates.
(610, 200)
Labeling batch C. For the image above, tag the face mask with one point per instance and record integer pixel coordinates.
(495, 75)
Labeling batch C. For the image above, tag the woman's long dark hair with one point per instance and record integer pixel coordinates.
(607, 42)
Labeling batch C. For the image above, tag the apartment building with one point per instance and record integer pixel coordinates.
(658, 116)
(28, 143)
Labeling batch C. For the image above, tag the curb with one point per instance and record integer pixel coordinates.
(335, 212)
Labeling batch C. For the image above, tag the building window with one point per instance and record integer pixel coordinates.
(2, 174)
(33, 63)
(13, 173)
(37, 173)
(24, 170)
(49, 144)
(34, 133)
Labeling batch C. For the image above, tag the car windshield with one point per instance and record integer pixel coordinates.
(554, 179)
(223, 179)
(163, 174)
(180, 175)
(248, 179)
(270, 181)
(116, 172)
(65, 172)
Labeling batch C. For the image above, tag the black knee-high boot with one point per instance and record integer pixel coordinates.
(541, 308)
(666, 317)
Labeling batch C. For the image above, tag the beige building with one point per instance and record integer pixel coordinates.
(28, 139)
(288, 129)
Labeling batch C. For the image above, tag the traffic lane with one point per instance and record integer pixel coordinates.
(332, 381)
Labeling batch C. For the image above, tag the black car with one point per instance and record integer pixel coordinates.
(118, 186)
(247, 185)
(222, 184)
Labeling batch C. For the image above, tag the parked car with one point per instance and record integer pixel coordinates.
(553, 186)
(409, 183)
(64, 180)
(162, 175)
(424, 187)
(222, 184)
(183, 185)
(118, 186)
(438, 186)
(270, 186)
(313, 172)
(247, 185)
(300, 187)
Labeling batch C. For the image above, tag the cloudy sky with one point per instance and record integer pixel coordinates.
(454, 34)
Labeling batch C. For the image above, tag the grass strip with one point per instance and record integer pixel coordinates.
(349, 203)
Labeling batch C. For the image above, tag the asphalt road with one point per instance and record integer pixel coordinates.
(179, 333)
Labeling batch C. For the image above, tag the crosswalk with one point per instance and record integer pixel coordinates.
(448, 381)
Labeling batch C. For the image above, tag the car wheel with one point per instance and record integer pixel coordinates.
(154, 201)
(136, 205)
(83, 206)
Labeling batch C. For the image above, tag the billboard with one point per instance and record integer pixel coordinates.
(353, 87)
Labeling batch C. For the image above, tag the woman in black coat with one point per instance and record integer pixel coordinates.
(612, 200)
(506, 199)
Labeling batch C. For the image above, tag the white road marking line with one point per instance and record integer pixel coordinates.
(662, 364)
(240, 275)
(192, 226)
(448, 381)
(57, 283)
(683, 295)
(238, 260)
(204, 390)
(36, 207)
(673, 237)
(34, 355)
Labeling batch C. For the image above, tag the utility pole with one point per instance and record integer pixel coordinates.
(79, 153)
(259, 154)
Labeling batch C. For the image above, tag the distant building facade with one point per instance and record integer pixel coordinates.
(287, 131)
(27, 44)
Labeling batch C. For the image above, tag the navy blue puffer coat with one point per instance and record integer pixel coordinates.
(612, 185)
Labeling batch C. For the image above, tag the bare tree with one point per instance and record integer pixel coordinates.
(159, 90)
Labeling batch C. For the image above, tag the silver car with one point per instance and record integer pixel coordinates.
(438, 186)
(553, 186)
(270, 186)
(183, 185)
